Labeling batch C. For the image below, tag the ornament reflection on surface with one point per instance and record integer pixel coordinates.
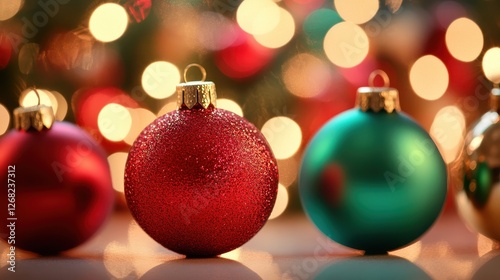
(489, 268)
(374, 267)
(59, 268)
(216, 268)
(478, 193)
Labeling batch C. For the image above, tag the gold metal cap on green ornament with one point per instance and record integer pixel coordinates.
(377, 99)
(495, 100)
(34, 117)
(196, 94)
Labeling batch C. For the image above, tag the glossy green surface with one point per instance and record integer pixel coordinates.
(372, 181)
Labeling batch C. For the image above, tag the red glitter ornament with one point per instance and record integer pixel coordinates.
(201, 181)
(58, 183)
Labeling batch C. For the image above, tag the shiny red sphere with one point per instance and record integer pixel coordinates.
(201, 182)
(61, 188)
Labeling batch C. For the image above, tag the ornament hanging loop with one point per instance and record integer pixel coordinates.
(37, 95)
(202, 70)
(382, 74)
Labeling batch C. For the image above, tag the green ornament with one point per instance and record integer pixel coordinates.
(372, 179)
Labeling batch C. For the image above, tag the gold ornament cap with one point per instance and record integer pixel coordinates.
(196, 94)
(378, 99)
(495, 100)
(34, 117)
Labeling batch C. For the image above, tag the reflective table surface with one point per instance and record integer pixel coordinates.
(289, 247)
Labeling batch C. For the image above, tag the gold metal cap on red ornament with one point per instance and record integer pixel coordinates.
(35, 117)
(196, 94)
(378, 99)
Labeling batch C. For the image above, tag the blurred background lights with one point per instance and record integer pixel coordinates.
(229, 105)
(140, 119)
(281, 34)
(9, 8)
(393, 5)
(346, 44)
(448, 129)
(429, 77)
(117, 166)
(464, 39)
(284, 136)
(108, 22)
(317, 24)
(491, 65)
(356, 11)
(305, 75)
(5, 117)
(169, 107)
(288, 169)
(62, 105)
(49, 98)
(114, 122)
(216, 31)
(160, 78)
(258, 16)
(281, 202)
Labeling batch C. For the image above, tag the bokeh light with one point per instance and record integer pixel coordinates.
(356, 11)
(160, 78)
(9, 8)
(346, 44)
(305, 75)
(62, 105)
(138, 9)
(216, 31)
(317, 24)
(288, 169)
(284, 136)
(429, 77)
(167, 108)
(281, 34)
(114, 122)
(244, 58)
(117, 163)
(491, 65)
(5, 50)
(140, 119)
(464, 39)
(108, 22)
(229, 105)
(5, 117)
(29, 98)
(258, 16)
(281, 202)
(393, 5)
(27, 57)
(448, 129)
